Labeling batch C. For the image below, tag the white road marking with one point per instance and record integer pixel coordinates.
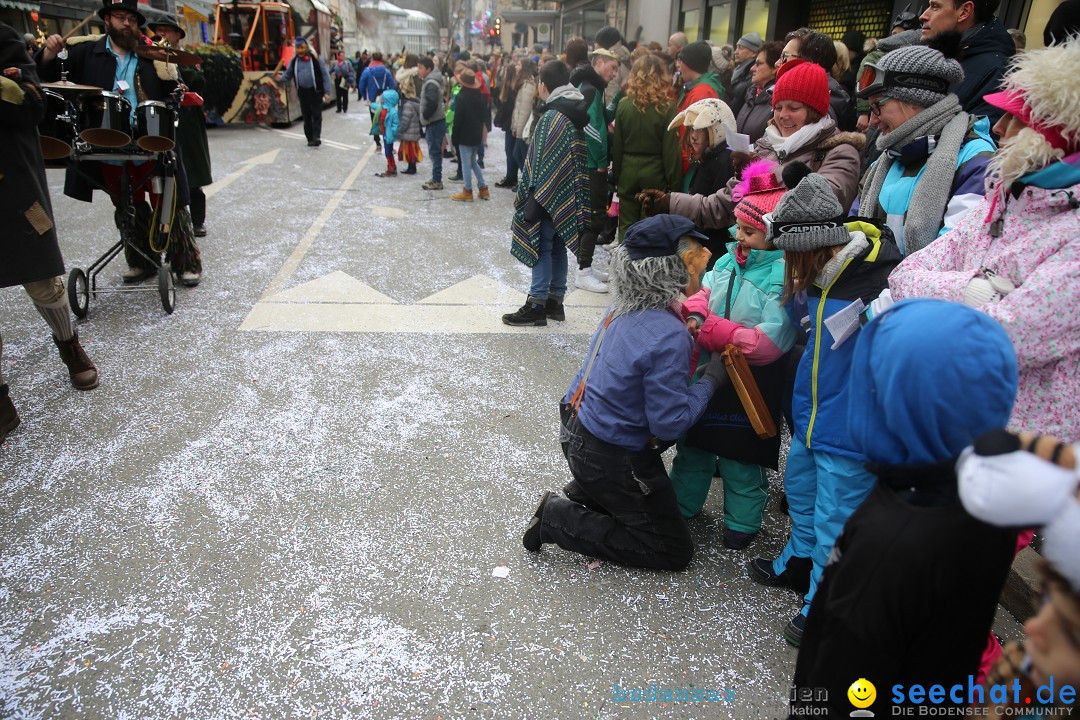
(301, 136)
(340, 303)
(298, 253)
(267, 158)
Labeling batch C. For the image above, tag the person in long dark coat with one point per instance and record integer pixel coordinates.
(29, 251)
(191, 132)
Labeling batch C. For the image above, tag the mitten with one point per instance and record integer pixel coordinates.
(716, 372)
(717, 333)
(698, 303)
(979, 291)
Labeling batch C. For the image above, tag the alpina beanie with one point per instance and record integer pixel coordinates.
(805, 82)
(808, 216)
(697, 56)
(919, 60)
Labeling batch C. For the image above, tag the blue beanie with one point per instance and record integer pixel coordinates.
(927, 378)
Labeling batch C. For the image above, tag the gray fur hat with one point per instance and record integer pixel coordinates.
(919, 60)
(809, 216)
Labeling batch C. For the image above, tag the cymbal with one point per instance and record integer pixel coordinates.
(69, 87)
(167, 55)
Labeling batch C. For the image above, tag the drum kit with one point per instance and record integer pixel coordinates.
(86, 123)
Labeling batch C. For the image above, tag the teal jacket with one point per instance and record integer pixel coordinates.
(749, 297)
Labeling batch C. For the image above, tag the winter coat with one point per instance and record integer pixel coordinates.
(984, 54)
(89, 62)
(904, 174)
(409, 120)
(591, 85)
(841, 106)
(432, 101)
(30, 250)
(1038, 250)
(741, 80)
(392, 122)
(409, 83)
(621, 76)
(469, 112)
(712, 173)
(644, 153)
(342, 74)
(375, 79)
(831, 153)
(523, 107)
(555, 181)
(819, 404)
(756, 111)
(305, 69)
(191, 132)
(505, 112)
(756, 321)
(706, 86)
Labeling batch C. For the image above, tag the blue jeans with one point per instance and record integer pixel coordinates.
(435, 133)
(470, 164)
(549, 272)
(521, 150)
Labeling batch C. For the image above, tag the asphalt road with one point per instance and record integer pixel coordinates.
(302, 494)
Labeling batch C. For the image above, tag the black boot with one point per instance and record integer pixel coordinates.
(9, 418)
(554, 310)
(796, 575)
(506, 182)
(410, 170)
(84, 375)
(531, 313)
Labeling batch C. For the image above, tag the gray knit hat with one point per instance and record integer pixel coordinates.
(809, 216)
(917, 74)
(751, 41)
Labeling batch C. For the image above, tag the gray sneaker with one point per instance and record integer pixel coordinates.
(432, 185)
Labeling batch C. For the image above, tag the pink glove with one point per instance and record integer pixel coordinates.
(717, 333)
(698, 303)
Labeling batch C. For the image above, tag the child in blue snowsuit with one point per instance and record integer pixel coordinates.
(829, 265)
(385, 122)
(739, 304)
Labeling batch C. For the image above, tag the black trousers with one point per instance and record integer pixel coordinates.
(598, 190)
(343, 98)
(641, 524)
(198, 206)
(311, 109)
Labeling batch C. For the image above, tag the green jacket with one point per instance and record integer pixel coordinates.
(644, 154)
(710, 79)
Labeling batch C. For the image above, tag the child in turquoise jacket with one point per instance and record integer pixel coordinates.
(739, 304)
(385, 122)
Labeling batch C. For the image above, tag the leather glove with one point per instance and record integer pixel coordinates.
(653, 202)
(716, 373)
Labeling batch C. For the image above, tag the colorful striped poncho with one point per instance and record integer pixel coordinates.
(556, 173)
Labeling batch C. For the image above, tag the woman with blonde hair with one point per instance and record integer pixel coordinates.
(644, 153)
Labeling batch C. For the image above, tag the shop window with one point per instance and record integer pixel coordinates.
(719, 23)
(755, 18)
(690, 24)
(870, 17)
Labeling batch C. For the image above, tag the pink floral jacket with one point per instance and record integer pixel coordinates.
(1038, 249)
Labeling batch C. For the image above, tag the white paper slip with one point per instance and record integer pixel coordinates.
(843, 323)
(500, 572)
(737, 141)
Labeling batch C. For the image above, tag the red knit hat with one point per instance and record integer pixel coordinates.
(757, 193)
(803, 82)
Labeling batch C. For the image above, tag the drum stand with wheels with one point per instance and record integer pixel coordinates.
(82, 285)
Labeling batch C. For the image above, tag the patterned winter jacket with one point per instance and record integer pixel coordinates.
(1037, 249)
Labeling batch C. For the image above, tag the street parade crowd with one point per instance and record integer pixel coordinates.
(872, 243)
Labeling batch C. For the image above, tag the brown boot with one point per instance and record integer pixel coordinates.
(485, 194)
(463, 196)
(9, 418)
(84, 375)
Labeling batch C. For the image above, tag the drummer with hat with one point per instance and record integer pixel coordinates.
(110, 62)
(191, 132)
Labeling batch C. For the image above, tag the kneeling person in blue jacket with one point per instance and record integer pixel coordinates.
(631, 397)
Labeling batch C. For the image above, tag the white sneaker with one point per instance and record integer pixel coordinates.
(610, 246)
(587, 282)
(599, 275)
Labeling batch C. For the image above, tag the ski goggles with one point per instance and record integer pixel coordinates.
(874, 80)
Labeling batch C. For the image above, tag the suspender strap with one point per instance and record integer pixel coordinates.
(579, 394)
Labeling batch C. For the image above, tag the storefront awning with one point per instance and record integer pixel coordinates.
(16, 5)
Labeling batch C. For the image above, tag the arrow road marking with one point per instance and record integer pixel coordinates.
(267, 158)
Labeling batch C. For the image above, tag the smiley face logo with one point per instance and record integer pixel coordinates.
(862, 693)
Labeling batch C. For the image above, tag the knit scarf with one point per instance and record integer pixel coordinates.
(945, 120)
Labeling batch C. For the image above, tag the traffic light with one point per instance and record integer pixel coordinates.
(498, 26)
